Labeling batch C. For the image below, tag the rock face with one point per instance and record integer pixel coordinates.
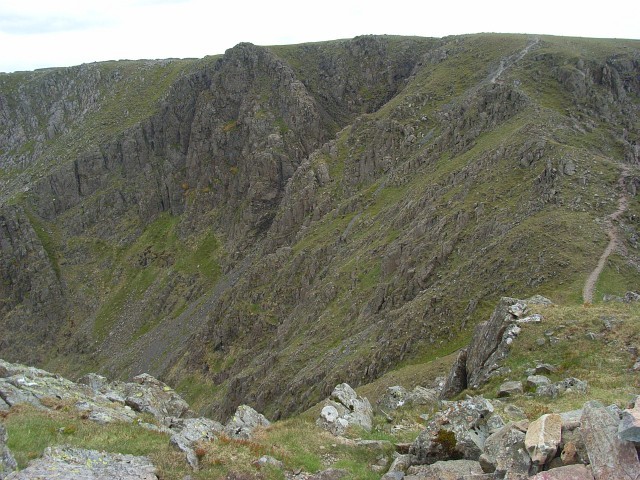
(7, 462)
(266, 198)
(629, 428)
(66, 463)
(343, 409)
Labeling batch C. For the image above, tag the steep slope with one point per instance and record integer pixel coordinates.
(262, 226)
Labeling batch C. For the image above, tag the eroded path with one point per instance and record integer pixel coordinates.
(612, 231)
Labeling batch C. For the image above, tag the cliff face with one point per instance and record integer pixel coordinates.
(281, 219)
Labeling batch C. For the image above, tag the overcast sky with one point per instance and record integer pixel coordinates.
(46, 33)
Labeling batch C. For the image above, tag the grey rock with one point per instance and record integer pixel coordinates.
(543, 437)
(535, 381)
(401, 463)
(571, 420)
(395, 475)
(510, 388)
(7, 461)
(535, 318)
(330, 474)
(267, 460)
(394, 398)
(456, 381)
(350, 408)
(244, 422)
(458, 431)
(631, 297)
(629, 427)
(544, 369)
(446, 470)
(67, 463)
(150, 395)
(609, 456)
(571, 472)
(506, 450)
(538, 300)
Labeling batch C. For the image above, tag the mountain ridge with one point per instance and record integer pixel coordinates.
(366, 199)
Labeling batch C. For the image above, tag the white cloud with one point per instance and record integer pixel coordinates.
(41, 33)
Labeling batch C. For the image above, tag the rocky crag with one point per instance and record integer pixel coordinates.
(261, 226)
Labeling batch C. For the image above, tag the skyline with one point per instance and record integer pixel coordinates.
(44, 34)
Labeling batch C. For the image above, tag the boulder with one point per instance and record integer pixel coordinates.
(268, 461)
(329, 474)
(244, 422)
(543, 437)
(510, 388)
(456, 381)
(394, 398)
(609, 456)
(76, 463)
(506, 451)
(7, 462)
(449, 470)
(571, 472)
(535, 381)
(629, 427)
(456, 432)
(188, 431)
(401, 463)
(343, 409)
(397, 396)
(150, 395)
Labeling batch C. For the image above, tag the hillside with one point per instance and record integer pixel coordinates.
(261, 226)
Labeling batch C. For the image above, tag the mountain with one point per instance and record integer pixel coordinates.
(261, 226)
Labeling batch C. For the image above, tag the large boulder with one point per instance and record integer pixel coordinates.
(67, 463)
(397, 397)
(610, 457)
(449, 470)
(571, 472)
(150, 395)
(543, 437)
(242, 424)
(188, 431)
(629, 428)
(345, 408)
(456, 432)
(7, 462)
(505, 451)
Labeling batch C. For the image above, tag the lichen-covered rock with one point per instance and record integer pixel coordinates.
(456, 432)
(65, 463)
(244, 422)
(187, 431)
(397, 396)
(343, 409)
(506, 451)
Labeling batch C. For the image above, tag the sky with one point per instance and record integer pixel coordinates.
(47, 33)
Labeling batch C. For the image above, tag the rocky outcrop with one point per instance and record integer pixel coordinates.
(489, 345)
(244, 422)
(67, 463)
(344, 409)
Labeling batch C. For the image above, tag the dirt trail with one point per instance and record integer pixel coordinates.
(612, 231)
(507, 62)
